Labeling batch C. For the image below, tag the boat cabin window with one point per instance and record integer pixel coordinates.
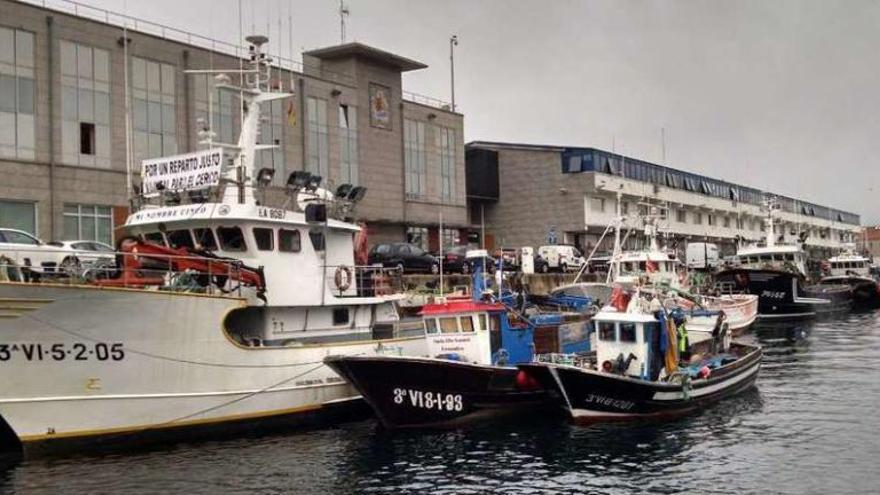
(179, 239)
(205, 239)
(449, 325)
(627, 332)
(155, 237)
(467, 324)
(789, 257)
(483, 322)
(606, 331)
(430, 325)
(642, 266)
(340, 315)
(231, 239)
(289, 241)
(264, 238)
(494, 322)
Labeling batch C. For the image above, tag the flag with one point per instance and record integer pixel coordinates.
(291, 113)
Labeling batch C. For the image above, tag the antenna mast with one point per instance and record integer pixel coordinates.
(343, 12)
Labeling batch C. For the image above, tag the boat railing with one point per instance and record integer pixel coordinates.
(134, 270)
(727, 288)
(364, 280)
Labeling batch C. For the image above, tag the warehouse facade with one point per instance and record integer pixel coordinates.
(530, 195)
(63, 124)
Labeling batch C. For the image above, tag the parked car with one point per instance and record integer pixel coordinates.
(510, 258)
(26, 250)
(455, 260)
(541, 265)
(83, 255)
(564, 257)
(407, 257)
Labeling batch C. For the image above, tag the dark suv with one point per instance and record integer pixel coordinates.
(407, 257)
(455, 260)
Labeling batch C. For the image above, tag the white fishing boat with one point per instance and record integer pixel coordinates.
(660, 271)
(219, 313)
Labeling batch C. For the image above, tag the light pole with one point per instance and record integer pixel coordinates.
(453, 42)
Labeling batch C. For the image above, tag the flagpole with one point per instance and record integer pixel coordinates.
(440, 231)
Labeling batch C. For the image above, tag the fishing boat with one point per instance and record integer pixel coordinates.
(854, 270)
(776, 273)
(217, 316)
(469, 372)
(637, 373)
(659, 271)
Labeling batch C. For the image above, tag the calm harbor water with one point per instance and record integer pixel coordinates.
(810, 426)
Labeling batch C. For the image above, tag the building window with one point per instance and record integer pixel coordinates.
(451, 237)
(17, 97)
(85, 105)
(447, 163)
(417, 236)
(698, 218)
(88, 222)
(223, 102)
(681, 216)
(154, 109)
(711, 219)
(348, 145)
(624, 207)
(318, 147)
(18, 215)
(414, 158)
(271, 133)
(598, 205)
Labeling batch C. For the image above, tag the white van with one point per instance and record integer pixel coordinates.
(563, 257)
(702, 255)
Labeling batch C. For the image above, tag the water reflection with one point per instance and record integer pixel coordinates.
(809, 426)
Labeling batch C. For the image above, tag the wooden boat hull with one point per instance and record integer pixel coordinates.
(408, 392)
(593, 396)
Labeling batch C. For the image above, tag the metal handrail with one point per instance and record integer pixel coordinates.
(15, 265)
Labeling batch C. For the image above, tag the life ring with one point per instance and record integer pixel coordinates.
(343, 278)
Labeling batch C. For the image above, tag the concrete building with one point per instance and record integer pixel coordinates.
(63, 123)
(868, 242)
(531, 195)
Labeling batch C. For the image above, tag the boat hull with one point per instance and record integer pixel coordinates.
(779, 293)
(865, 291)
(91, 364)
(593, 396)
(410, 392)
(740, 312)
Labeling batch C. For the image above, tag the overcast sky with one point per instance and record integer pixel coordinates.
(780, 95)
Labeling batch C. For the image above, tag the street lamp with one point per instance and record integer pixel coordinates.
(453, 42)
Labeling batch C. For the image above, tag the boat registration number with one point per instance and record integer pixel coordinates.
(428, 400)
(95, 351)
